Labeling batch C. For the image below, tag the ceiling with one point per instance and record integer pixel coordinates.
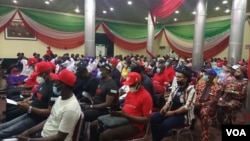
(134, 13)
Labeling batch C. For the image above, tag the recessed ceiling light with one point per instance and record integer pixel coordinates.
(15, 1)
(177, 12)
(104, 12)
(157, 22)
(217, 8)
(146, 18)
(46, 2)
(227, 10)
(193, 12)
(130, 2)
(175, 19)
(111, 9)
(77, 10)
(50, 0)
(224, 2)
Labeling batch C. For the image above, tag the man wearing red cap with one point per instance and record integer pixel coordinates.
(137, 109)
(64, 114)
(115, 73)
(37, 107)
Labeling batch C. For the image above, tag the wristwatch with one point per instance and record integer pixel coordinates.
(29, 110)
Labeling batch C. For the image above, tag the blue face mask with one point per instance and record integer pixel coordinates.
(158, 70)
(205, 77)
(166, 64)
(99, 74)
(56, 92)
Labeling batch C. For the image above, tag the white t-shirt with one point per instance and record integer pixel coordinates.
(63, 117)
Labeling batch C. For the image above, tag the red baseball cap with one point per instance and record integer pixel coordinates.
(65, 76)
(31, 61)
(113, 61)
(41, 67)
(132, 78)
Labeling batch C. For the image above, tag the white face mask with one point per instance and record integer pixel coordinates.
(39, 80)
(158, 70)
(132, 89)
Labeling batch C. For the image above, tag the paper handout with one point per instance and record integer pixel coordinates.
(9, 101)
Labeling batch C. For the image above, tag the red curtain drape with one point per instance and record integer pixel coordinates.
(166, 8)
(125, 44)
(207, 54)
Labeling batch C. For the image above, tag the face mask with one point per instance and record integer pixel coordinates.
(221, 75)
(129, 69)
(55, 91)
(205, 77)
(132, 89)
(166, 64)
(237, 77)
(39, 80)
(158, 70)
(99, 74)
(180, 83)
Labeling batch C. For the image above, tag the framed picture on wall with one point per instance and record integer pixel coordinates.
(16, 30)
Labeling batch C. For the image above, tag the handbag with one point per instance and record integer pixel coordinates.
(108, 121)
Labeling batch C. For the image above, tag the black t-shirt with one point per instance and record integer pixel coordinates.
(42, 98)
(116, 76)
(106, 88)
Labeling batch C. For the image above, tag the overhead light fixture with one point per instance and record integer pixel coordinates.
(111, 9)
(193, 12)
(15, 1)
(217, 8)
(77, 10)
(224, 2)
(146, 18)
(104, 12)
(177, 12)
(227, 10)
(130, 2)
(157, 22)
(50, 0)
(47, 2)
(175, 19)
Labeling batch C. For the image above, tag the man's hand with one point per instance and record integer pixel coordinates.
(85, 107)
(164, 109)
(23, 105)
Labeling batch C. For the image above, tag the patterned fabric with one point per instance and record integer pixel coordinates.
(234, 99)
(207, 96)
(188, 99)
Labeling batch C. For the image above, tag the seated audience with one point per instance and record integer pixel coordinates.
(38, 106)
(208, 92)
(137, 109)
(64, 114)
(178, 110)
(234, 97)
(106, 96)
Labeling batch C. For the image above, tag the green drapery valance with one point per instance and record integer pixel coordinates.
(130, 31)
(4, 10)
(211, 29)
(60, 22)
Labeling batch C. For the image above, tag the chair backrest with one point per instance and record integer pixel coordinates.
(77, 130)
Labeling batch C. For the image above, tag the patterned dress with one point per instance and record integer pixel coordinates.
(207, 96)
(234, 99)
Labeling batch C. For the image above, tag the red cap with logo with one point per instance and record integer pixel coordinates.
(31, 61)
(65, 76)
(41, 67)
(113, 61)
(132, 78)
